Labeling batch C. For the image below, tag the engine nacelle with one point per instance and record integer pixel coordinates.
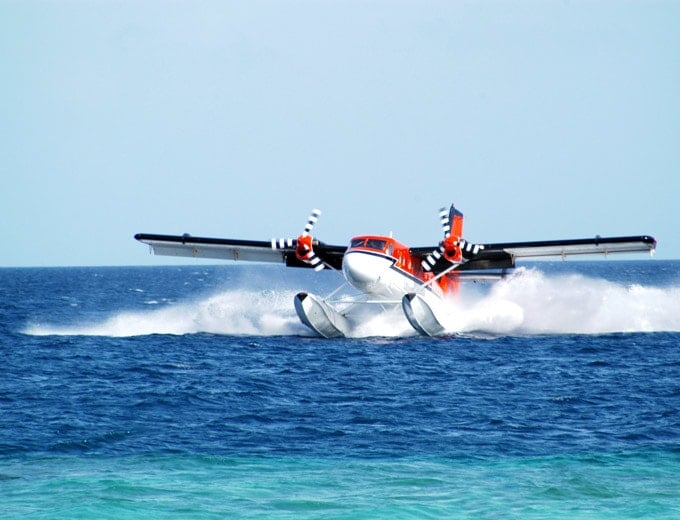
(304, 249)
(451, 249)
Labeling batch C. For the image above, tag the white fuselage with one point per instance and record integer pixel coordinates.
(376, 274)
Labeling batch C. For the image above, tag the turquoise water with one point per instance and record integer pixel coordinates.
(194, 393)
(629, 485)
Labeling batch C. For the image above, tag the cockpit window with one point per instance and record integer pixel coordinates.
(369, 243)
(378, 245)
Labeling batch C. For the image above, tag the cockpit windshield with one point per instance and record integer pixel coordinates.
(374, 243)
(369, 243)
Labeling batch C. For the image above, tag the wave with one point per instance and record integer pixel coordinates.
(527, 302)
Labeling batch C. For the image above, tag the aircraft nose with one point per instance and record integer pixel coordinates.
(363, 270)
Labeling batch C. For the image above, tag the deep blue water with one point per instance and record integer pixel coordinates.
(194, 392)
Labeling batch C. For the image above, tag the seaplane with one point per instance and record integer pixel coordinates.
(388, 274)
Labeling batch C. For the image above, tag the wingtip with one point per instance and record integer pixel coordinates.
(650, 241)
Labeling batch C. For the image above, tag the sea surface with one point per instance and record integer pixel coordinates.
(194, 392)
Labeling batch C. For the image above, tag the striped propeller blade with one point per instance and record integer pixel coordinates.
(316, 262)
(446, 223)
(468, 248)
(283, 243)
(430, 260)
(311, 221)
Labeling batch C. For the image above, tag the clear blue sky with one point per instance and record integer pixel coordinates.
(539, 119)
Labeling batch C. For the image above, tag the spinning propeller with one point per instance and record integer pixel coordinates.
(304, 244)
(453, 247)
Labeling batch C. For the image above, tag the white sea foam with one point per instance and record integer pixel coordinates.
(527, 302)
(531, 302)
(233, 312)
(389, 323)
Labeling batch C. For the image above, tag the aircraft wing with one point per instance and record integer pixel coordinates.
(235, 249)
(563, 248)
(503, 255)
(581, 246)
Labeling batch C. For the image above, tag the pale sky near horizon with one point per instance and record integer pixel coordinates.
(539, 119)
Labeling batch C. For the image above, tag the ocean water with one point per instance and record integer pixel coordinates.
(194, 392)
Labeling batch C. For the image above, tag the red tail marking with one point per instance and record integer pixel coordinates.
(457, 226)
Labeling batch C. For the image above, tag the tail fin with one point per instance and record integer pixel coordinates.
(452, 225)
(455, 222)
